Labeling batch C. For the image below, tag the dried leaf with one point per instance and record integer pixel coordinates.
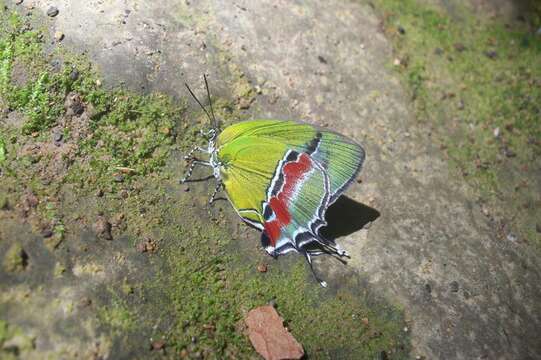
(269, 336)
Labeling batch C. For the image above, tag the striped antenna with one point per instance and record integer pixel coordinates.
(210, 102)
(199, 102)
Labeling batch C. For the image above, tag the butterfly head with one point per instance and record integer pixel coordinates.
(210, 135)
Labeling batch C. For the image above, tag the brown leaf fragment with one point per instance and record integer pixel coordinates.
(269, 336)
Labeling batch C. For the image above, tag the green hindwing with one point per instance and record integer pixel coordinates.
(250, 153)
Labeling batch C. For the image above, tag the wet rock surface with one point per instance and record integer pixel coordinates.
(466, 292)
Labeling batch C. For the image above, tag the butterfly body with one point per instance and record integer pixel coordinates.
(281, 176)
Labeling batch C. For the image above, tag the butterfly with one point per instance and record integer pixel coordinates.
(280, 176)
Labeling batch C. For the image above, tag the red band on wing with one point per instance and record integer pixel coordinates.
(294, 173)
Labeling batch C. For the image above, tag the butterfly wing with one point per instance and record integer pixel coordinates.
(281, 176)
(340, 156)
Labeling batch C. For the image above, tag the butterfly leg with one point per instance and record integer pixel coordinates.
(189, 155)
(309, 260)
(331, 248)
(218, 187)
(193, 163)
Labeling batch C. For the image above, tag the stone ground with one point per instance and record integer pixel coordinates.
(466, 294)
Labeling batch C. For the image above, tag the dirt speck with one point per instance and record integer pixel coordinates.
(158, 345)
(102, 228)
(147, 245)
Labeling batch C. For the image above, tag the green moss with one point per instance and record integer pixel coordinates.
(471, 77)
(130, 133)
(59, 269)
(14, 343)
(15, 259)
(3, 331)
(210, 285)
(135, 132)
(117, 317)
(40, 97)
(3, 150)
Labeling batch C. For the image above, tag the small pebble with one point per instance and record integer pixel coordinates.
(57, 137)
(30, 201)
(102, 227)
(85, 302)
(52, 11)
(512, 237)
(141, 247)
(262, 268)
(459, 47)
(47, 233)
(427, 292)
(491, 54)
(244, 104)
(56, 64)
(118, 178)
(77, 107)
(508, 152)
(454, 286)
(158, 345)
(58, 36)
(74, 74)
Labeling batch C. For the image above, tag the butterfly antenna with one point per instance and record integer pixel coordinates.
(199, 102)
(210, 102)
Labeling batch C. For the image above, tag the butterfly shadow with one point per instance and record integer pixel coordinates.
(347, 216)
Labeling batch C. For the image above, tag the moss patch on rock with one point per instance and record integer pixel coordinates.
(475, 81)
